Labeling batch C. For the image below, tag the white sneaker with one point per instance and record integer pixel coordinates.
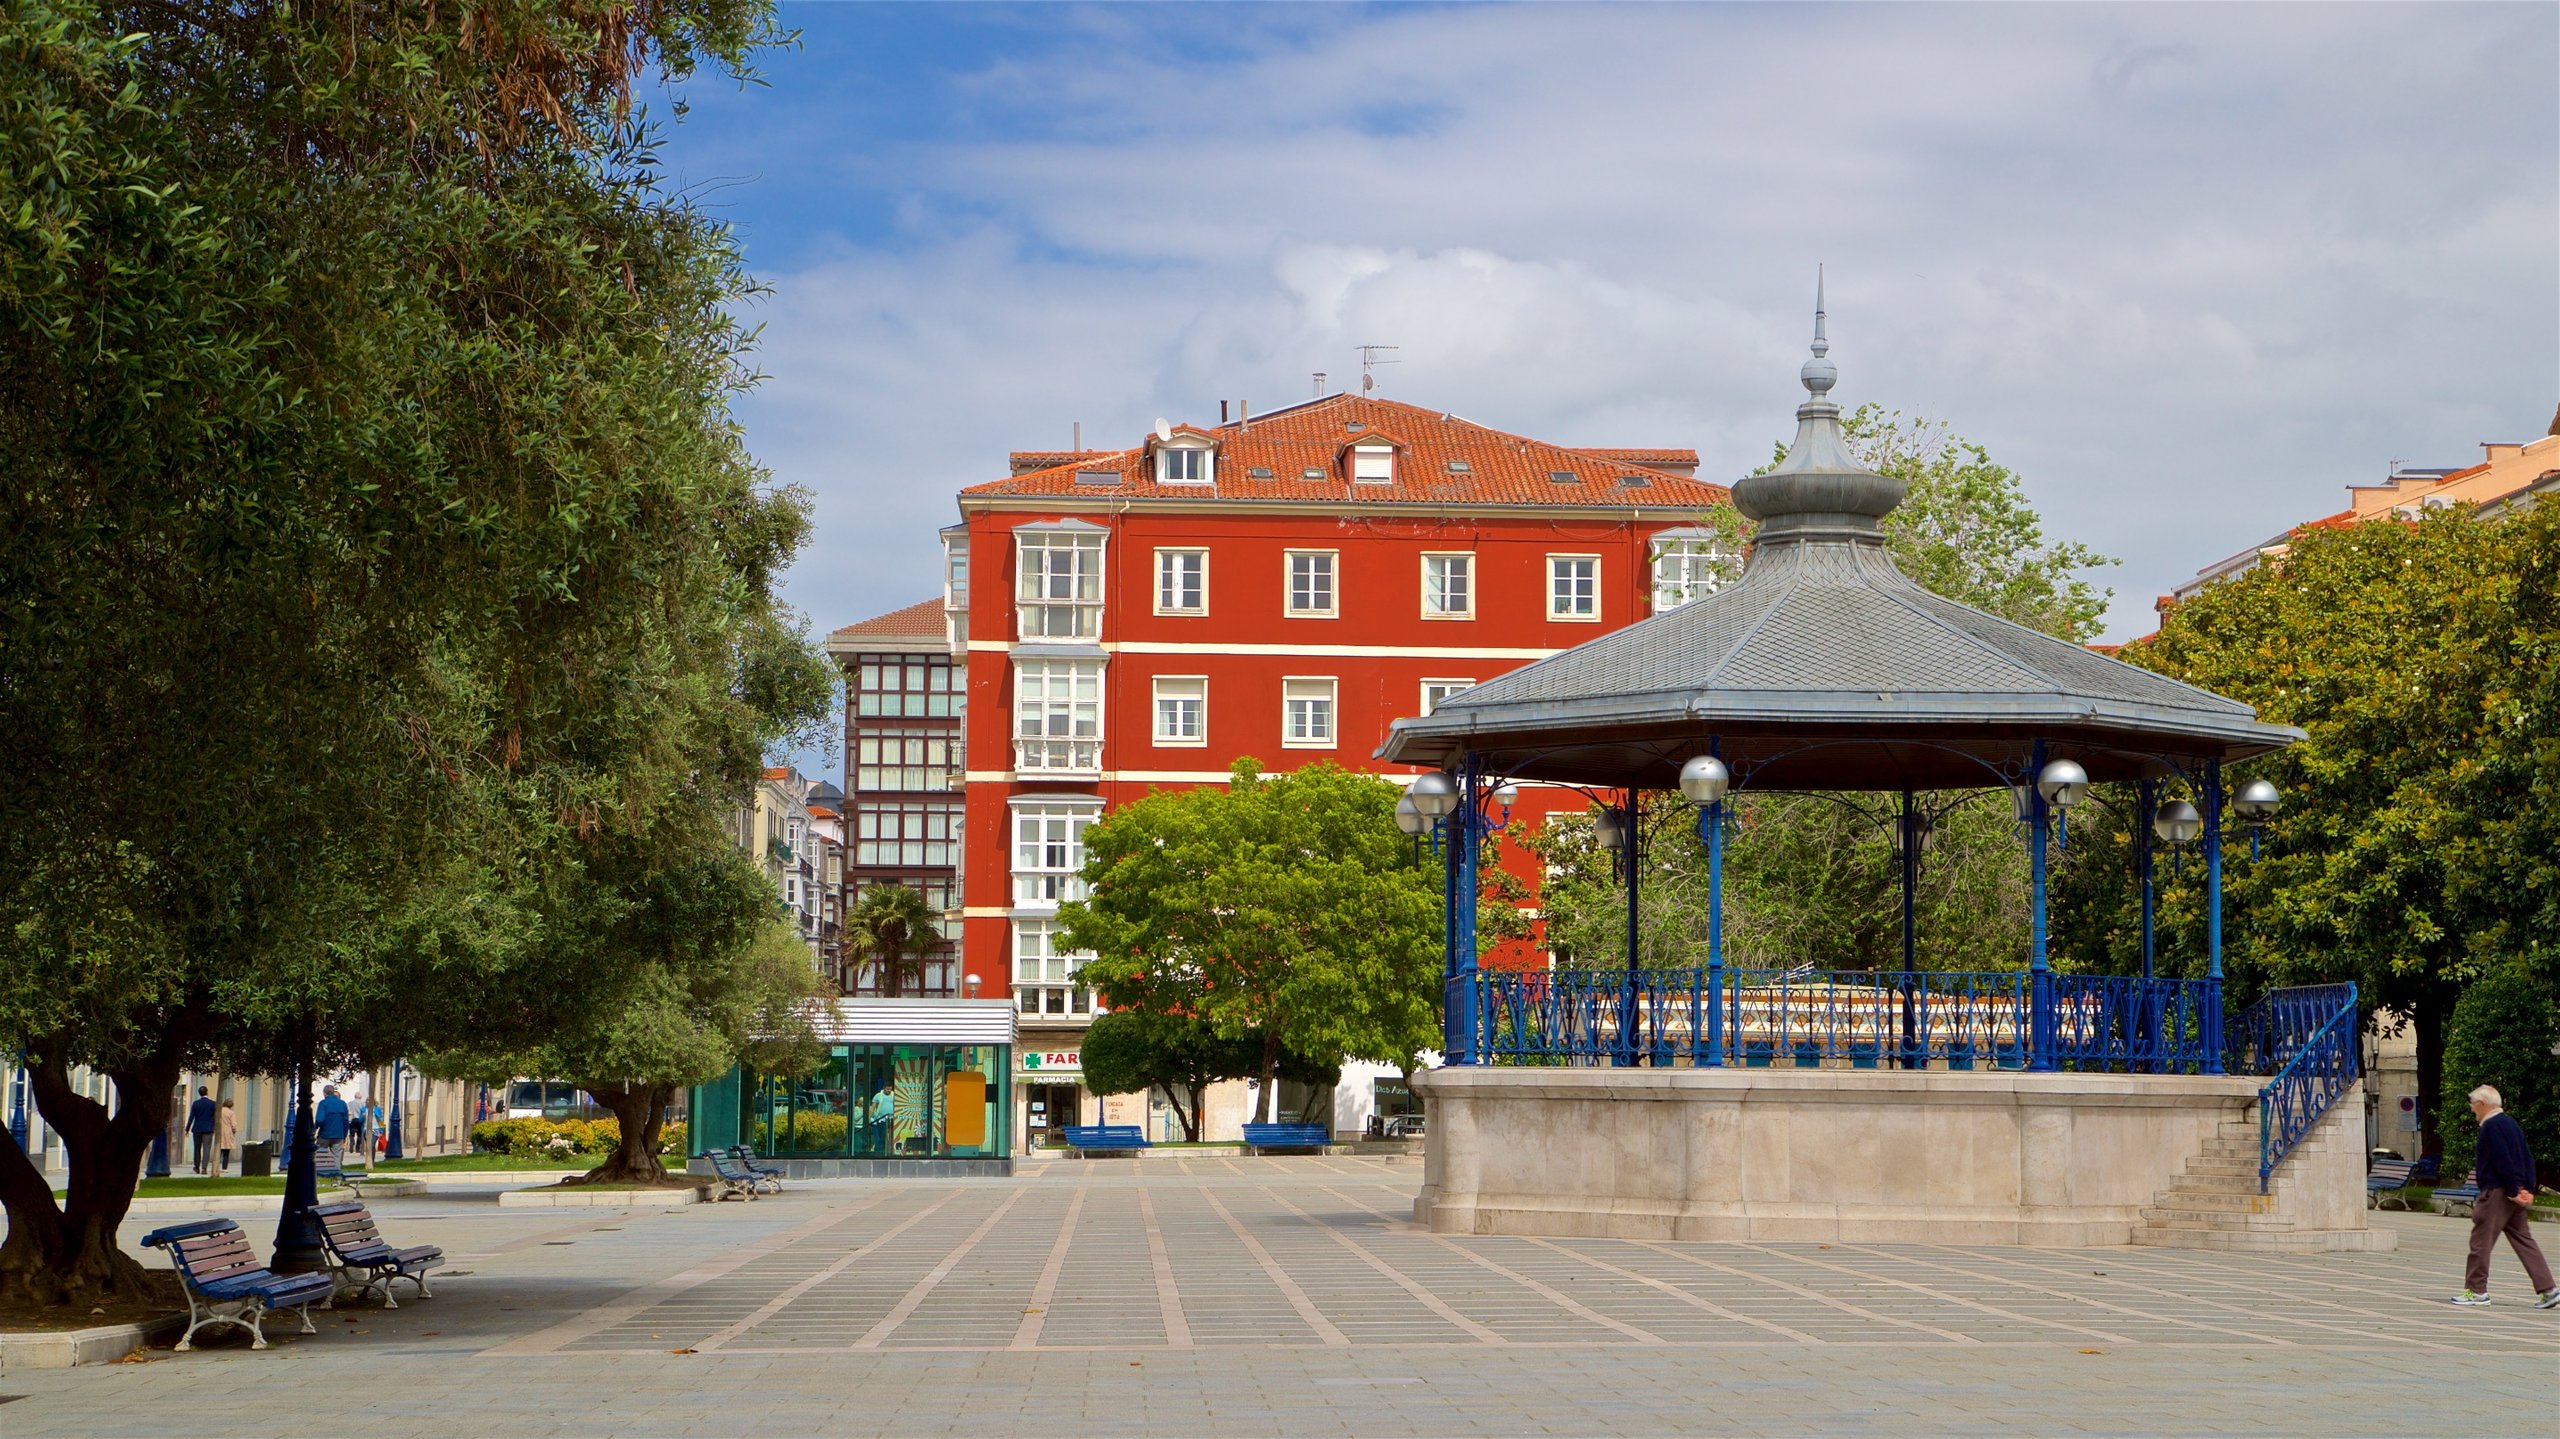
(2550, 1300)
(2470, 1297)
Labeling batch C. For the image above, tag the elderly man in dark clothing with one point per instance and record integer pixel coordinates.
(2505, 1206)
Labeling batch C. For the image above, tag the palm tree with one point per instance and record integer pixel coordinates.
(894, 928)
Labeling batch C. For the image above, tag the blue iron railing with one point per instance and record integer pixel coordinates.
(1863, 1019)
(2305, 1040)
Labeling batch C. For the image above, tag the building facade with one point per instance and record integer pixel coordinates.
(904, 758)
(1281, 587)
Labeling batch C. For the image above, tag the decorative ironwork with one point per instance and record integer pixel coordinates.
(1859, 1018)
(2305, 1038)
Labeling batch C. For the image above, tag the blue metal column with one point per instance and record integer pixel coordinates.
(1912, 1058)
(1712, 821)
(1629, 1011)
(2146, 807)
(1445, 839)
(2213, 916)
(1462, 918)
(391, 1141)
(2040, 977)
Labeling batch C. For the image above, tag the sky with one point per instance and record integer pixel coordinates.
(2190, 270)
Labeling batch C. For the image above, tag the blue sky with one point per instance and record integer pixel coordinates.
(2189, 269)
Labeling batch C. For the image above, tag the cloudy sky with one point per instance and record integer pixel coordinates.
(2188, 269)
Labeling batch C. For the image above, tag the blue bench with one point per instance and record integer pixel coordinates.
(1084, 1139)
(1260, 1138)
(2466, 1194)
(2388, 1176)
(762, 1171)
(734, 1180)
(225, 1283)
(364, 1260)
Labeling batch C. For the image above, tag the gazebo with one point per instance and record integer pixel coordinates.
(1825, 668)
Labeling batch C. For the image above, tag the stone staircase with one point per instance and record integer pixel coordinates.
(2214, 1202)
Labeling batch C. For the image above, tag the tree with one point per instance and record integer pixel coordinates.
(894, 928)
(370, 474)
(2415, 849)
(2505, 1033)
(1815, 880)
(1289, 907)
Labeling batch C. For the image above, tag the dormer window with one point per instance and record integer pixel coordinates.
(1185, 465)
(1373, 465)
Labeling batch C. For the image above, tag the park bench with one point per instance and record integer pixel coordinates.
(2388, 1176)
(226, 1284)
(362, 1257)
(731, 1180)
(1088, 1139)
(762, 1171)
(1262, 1138)
(2466, 1195)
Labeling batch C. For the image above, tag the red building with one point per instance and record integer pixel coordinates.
(1284, 587)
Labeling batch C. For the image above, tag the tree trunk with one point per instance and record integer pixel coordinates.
(67, 1253)
(1268, 1100)
(1189, 1119)
(640, 1110)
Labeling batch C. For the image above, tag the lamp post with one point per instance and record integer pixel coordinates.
(1704, 782)
(2059, 784)
(2178, 822)
(1433, 798)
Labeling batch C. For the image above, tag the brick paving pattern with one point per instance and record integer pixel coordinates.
(1294, 1296)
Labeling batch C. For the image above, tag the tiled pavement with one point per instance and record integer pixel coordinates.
(1293, 1296)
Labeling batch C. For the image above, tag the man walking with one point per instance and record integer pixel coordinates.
(2505, 1206)
(329, 1124)
(200, 1129)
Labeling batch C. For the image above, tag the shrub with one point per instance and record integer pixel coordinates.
(541, 1138)
(2502, 1034)
(807, 1134)
(671, 1138)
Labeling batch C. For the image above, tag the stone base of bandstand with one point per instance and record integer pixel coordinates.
(1859, 1156)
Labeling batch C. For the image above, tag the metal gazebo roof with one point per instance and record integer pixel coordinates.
(1825, 667)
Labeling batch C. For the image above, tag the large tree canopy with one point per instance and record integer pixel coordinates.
(374, 519)
(1287, 906)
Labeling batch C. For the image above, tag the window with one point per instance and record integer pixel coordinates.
(1044, 975)
(913, 833)
(955, 572)
(1686, 567)
(1060, 592)
(1182, 710)
(1306, 714)
(906, 686)
(1048, 852)
(1449, 587)
(1182, 582)
(1373, 465)
(1311, 583)
(905, 760)
(1434, 691)
(1573, 587)
(1057, 709)
(1184, 465)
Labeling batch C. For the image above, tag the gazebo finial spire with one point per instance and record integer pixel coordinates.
(1821, 491)
(1819, 373)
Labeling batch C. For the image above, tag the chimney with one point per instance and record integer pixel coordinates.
(1244, 414)
(1222, 412)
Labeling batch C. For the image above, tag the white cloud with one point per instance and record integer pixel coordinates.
(2189, 269)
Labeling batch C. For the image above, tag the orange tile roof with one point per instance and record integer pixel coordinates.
(921, 620)
(1501, 468)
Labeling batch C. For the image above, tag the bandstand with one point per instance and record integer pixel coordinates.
(1725, 1101)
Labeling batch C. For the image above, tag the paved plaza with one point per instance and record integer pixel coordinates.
(1295, 1296)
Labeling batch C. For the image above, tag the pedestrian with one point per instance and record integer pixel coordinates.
(200, 1129)
(329, 1125)
(2505, 1178)
(226, 1133)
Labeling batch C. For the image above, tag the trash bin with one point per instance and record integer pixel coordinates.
(258, 1159)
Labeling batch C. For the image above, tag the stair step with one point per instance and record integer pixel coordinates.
(2215, 1183)
(2167, 1218)
(2219, 1202)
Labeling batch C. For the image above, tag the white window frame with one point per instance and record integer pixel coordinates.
(1373, 464)
(1686, 568)
(1556, 593)
(1064, 694)
(1073, 594)
(1049, 989)
(1323, 693)
(1168, 563)
(1429, 612)
(1194, 688)
(1332, 584)
(1047, 854)
(1444, 688)
(1206, 463)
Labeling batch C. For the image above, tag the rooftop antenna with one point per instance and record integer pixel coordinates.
(1369, 362)
(1319, 384)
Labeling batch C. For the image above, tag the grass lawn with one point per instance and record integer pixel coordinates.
(572, 1165)
(192, 1184)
